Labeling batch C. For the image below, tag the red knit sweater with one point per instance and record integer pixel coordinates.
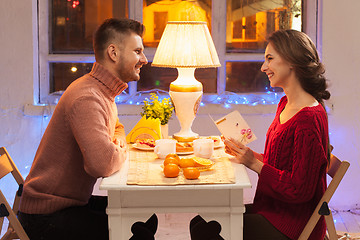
(77, 146)
(293, 178)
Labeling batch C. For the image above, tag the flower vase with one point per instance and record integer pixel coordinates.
(164, 131)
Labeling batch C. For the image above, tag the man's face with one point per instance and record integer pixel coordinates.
(131, 58)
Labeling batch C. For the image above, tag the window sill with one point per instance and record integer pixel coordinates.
(131, 109)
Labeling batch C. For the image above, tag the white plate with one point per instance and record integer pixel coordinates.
(178, 153)
(191, 152)
(220, 145)
(143, 148)
(184, 153)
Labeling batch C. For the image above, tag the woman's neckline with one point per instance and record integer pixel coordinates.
(294, 116)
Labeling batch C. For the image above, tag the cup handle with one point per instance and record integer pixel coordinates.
(156, 148)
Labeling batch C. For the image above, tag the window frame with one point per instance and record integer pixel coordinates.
(311, 26)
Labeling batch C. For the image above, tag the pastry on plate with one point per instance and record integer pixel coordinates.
(184, 147)
(217, 140)
(145, 143)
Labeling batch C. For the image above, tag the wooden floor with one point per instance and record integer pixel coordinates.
(176, 226)
(348, 222)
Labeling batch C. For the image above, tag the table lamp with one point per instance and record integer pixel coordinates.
(186, 45)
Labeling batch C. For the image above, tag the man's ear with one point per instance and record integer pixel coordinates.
(112, 52)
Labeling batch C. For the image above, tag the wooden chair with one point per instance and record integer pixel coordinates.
(15, 230)
(337, 171)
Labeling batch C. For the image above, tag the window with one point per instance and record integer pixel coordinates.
(249, 22)
(65, 40)
(157, 13)
(238, 27)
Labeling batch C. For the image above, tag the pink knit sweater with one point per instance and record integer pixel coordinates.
(293, 178)
(77, 146)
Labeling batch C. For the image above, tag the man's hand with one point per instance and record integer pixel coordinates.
(120, 142)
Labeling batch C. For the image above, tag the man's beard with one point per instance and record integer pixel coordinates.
(127, 76)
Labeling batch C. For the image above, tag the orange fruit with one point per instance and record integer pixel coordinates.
(186, 162)
(173, 155)
(171, 170)
(202, 162)
(191, 173)
(171, 158)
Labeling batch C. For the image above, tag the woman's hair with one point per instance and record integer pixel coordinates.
(297, 48)
(114, 30)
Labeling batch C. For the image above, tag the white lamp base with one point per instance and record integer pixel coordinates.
(186, 93)
(186, 105)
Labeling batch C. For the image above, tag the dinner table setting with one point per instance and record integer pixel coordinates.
(142, 186)
(181, 173)
(146, 162)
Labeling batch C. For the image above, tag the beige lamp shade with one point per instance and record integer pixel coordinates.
(186, 45)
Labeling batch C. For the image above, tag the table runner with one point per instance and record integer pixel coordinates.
(146, 169)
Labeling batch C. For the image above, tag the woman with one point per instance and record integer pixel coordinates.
(292, 170)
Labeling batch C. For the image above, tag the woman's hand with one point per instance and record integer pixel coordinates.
(242, 154)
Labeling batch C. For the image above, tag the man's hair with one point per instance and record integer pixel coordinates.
(113, 30)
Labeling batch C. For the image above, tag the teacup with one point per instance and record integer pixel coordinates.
(163, 147)
(203, 147)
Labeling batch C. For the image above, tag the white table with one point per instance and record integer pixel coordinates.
(131, 203)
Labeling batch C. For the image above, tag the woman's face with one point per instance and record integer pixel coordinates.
(276, 68)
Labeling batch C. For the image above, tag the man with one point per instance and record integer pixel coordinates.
(83, 141)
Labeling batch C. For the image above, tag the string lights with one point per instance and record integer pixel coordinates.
(226, 99)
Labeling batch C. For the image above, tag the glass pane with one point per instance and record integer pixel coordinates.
(160, 78)
(242, 77)
(74, 22)
(250, 21)
(157, 13)
(62, 74)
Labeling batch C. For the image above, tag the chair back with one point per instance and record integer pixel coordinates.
(15, 230)
(336, 170)
(334, 166)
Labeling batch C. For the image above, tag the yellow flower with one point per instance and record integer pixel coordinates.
(154, 108)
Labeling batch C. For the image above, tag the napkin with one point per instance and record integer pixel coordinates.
(145, 128)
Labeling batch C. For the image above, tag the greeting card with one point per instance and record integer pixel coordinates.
(234, 126)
